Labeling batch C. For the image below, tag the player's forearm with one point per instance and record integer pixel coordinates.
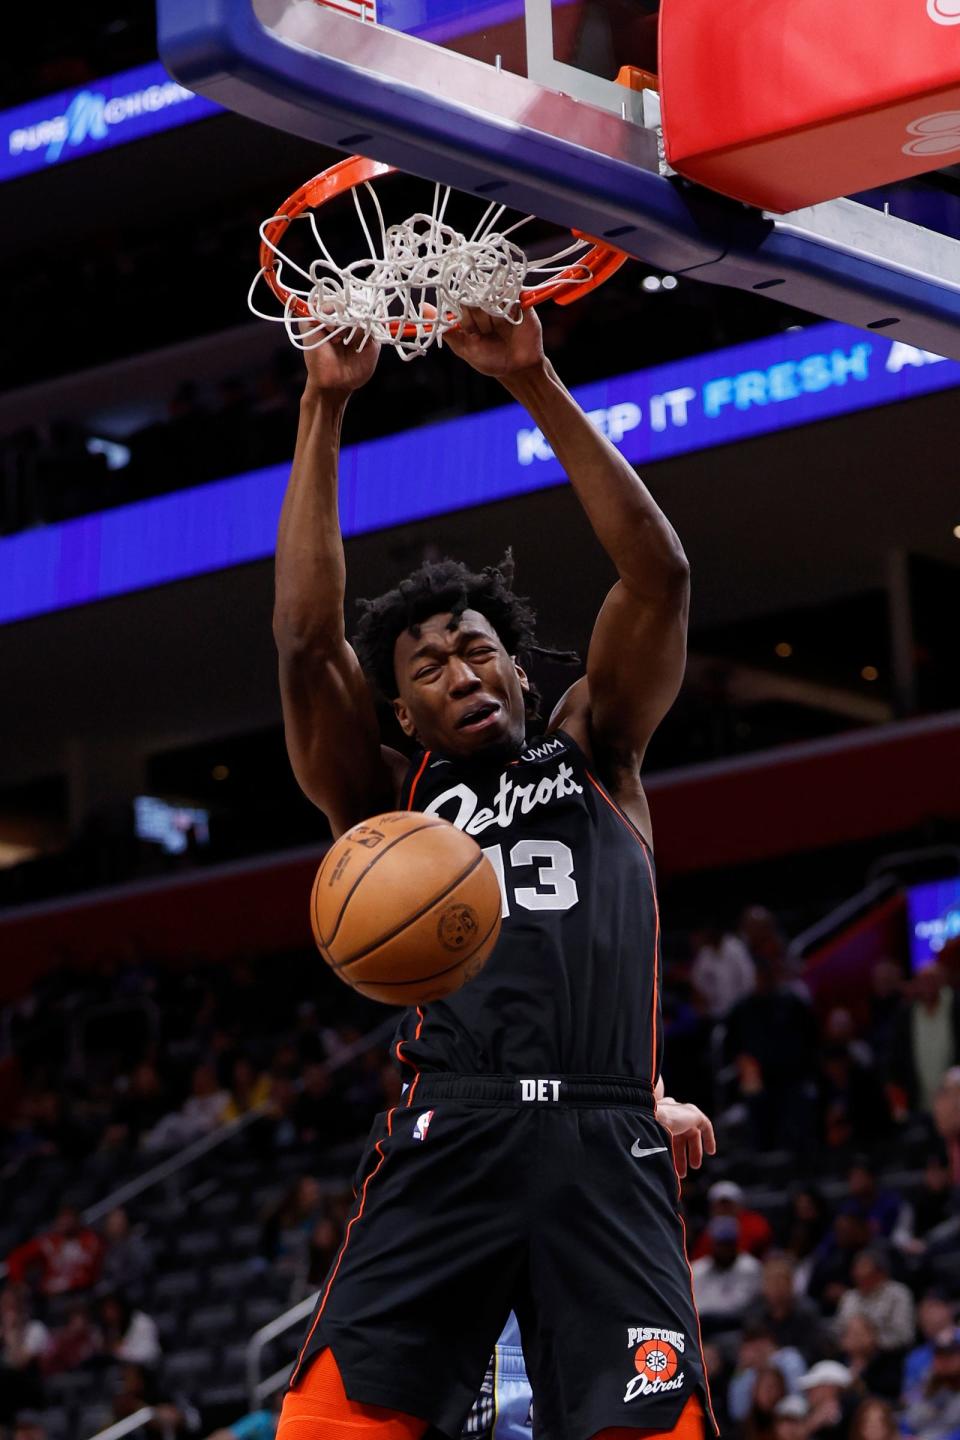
(626, 519)
(310, 570)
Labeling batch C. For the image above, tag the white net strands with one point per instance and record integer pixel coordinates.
(413, 285)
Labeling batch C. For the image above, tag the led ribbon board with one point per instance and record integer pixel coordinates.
(98, 116)
(714, 399)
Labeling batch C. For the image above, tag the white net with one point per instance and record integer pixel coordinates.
(412, 286)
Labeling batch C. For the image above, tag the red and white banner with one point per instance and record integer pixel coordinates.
(785, 105)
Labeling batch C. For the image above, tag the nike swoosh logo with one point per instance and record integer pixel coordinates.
(653, 1150)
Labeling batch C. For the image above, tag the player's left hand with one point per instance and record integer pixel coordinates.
(691, 1133)
(494, 346)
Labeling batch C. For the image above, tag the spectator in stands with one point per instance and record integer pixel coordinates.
(127, 1258)
(874, 1420)
(140, 1105)
(64, 1259)
(770, 1388)
(44, 1125)
(831, 1399)
(792, 1319)
(880, 1207)
(318, 1115)
(946, 1119)
(23, 1341)
(28, 1426)
(288, 1228)
(886, 1303)
(771, 1038)
(758, 1355)
(726, 1282)
(722, 971)
(325, 1240)
(790, 1418)
(248, 1090)
(172, 1414)
(935, 1316)
(129, 1335)
(853, 1101)
(886, 1004)
(927, 1040)
(257, 1425)
(199, 1115)
(804, 1230)
(935, 1414)
(930, 1207)
(754, 1234)
(878, 1371)
(74, 1343)
(762, 936)
(831, 1271)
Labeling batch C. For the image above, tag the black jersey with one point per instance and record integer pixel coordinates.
(572, 987)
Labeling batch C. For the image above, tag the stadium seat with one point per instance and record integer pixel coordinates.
(260, 1310)
(233, 1275)
(212, 1321)
(186, 1366)
(222, 1395)
(227, 1202)
(69, 1386)
(176, 1283)
(233, 1358)
(195, 1244)
(244, 1237)
(92, 1419)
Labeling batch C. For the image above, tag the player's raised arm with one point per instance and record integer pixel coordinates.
(638, 649)
(328, 711)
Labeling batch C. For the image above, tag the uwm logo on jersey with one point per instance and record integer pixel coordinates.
(544, 750)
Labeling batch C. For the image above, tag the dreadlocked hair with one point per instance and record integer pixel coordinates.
(436, 588)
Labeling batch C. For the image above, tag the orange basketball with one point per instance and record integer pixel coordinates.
(405, 908)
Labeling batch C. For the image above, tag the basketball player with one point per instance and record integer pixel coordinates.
(525, 1167)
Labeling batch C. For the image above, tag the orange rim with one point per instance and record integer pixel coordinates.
(599, 262)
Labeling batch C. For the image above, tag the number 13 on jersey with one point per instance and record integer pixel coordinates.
(554, 887)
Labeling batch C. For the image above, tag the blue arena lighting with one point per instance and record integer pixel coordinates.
(795, 378)
(94, 117)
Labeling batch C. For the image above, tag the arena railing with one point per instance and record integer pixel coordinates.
(170, 1170)
(259, 1390)
(133, 1422)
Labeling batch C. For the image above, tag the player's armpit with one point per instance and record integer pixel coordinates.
(332, 734)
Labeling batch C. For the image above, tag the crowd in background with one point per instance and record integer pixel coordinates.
(828, 1306)
(181, 1051)
(168, 1056)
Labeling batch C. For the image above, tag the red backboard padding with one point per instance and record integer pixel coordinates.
(784, 103)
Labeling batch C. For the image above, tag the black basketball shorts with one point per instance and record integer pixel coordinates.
(552, 1196)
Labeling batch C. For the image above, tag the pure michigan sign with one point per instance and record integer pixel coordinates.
(96, 117)
(786, 380)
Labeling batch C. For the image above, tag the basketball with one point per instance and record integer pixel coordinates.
(405, 908)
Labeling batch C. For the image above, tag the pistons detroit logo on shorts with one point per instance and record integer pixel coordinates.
(656, 1359)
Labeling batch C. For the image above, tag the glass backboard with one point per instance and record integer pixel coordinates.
(520, 100)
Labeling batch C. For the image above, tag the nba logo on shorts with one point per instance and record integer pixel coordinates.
(422, 1125)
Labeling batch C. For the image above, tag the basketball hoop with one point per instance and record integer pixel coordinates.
(410, 290)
